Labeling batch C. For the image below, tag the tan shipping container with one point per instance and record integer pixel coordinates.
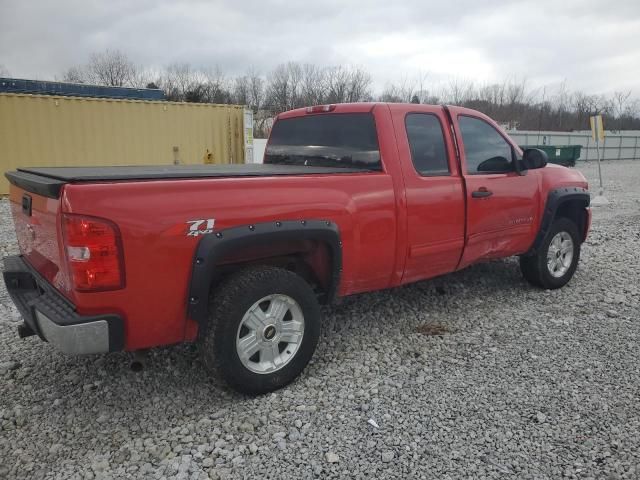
(45, 130)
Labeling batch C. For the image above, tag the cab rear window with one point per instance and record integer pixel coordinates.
(346, 140)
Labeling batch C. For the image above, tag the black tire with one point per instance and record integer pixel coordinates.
(228, 305)
(534, 267)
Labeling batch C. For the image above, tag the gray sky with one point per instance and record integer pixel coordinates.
(593, 45)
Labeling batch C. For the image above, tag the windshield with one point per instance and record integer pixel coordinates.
(346, 140)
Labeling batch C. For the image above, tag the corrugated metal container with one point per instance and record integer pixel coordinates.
(42, 130)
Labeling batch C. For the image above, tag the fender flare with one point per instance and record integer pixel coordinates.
(555, 199)
(212, 247)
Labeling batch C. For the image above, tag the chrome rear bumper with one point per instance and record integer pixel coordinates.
(50, 315)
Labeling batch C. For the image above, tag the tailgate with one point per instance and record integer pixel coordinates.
(36, 220)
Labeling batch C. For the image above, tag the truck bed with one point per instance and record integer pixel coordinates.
(48, 181)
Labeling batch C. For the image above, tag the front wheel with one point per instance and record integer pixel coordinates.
(263, 328)
(555, 262)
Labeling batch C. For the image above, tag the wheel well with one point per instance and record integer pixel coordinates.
(311, 259)
(570, 203)
(311, 248)
(573, 210)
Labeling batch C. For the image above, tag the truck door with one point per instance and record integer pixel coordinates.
(502, 206)
(433, 190)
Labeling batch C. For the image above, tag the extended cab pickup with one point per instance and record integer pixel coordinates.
(350, 198)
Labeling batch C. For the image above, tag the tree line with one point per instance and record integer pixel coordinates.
(292, 85)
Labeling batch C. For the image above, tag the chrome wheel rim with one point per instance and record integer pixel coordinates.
(560, 254)
(270, 334)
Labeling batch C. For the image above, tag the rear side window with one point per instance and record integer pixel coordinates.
(426, 140)
(346, 140)
(485, 149)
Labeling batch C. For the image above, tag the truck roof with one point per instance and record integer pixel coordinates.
(360, 107)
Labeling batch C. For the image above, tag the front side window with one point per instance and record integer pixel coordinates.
(486, 151)
(426, 140)
(346, 140)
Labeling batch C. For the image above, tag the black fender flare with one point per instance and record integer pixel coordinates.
(555, 199)
(212, 247)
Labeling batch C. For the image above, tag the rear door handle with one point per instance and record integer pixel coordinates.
(482, 193)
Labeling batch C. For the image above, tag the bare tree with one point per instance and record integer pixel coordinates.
(217, 90)
(283, 91)
(176, 81)
(457, 91)
(423, 93)
(112, 68)
(256, 90)
(562, 101)
(414, 90)
(619, 106)
(146, 76)
(401, 92)
(181, 82)
(359, 85)
(346, 85)
(632, 111)
(75, 75)
(240, 90)
(492, 94)
(338, 80)
(313, 88)
(248, 90)
(398, 93)
(293, 85)
(515, 92)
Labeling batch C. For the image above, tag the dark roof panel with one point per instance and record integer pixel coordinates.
(17, 85)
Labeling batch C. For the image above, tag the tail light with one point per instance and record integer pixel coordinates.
(94, 253)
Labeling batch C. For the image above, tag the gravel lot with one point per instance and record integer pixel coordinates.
(515, 383)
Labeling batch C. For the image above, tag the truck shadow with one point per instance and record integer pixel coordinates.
(438, 302)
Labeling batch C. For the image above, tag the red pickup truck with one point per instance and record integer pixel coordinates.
(350, 198)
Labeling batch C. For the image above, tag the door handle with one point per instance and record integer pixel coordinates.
(482, 193)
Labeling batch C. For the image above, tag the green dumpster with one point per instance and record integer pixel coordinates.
(561, 154)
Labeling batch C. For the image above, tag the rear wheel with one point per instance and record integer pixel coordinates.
(263, 328)
(555, 262)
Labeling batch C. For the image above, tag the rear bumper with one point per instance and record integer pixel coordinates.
(53, 317)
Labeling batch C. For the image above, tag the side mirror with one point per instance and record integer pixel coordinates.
(534, 158)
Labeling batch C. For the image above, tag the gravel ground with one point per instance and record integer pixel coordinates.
(475, 375)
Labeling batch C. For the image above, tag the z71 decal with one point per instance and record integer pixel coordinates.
(200, 227)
